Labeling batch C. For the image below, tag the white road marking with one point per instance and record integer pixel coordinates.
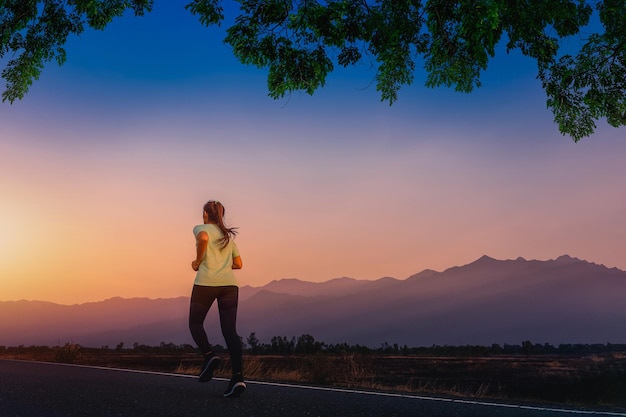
(374, 393)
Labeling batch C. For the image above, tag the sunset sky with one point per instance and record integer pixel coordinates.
(106, 163)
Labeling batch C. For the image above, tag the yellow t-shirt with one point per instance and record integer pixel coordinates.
(216, 270)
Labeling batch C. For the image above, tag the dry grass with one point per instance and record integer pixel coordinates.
(349, 371)
(186, 369)
(253, 369)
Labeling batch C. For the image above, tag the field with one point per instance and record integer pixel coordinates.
(595, 380)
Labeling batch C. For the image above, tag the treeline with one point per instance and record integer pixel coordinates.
(306, 344)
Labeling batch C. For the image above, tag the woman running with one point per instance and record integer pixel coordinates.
(216, 257)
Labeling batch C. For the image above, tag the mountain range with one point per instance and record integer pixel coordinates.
(564, 300)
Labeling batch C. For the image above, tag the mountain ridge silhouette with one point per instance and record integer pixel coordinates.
(562, 300)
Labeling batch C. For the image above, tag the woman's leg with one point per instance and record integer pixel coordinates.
(227, 304)
(201, 300)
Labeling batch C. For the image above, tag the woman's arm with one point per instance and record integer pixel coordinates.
(202, 241)
(237, 263)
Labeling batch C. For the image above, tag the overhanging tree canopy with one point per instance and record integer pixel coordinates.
(300, 42)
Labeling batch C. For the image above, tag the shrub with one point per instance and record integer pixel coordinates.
(68, 353)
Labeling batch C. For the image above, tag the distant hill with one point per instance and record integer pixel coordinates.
(565, 300)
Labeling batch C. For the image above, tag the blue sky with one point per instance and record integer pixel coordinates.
(108, 160)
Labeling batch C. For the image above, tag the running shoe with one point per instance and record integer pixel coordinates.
(210, 363)
(235, 387)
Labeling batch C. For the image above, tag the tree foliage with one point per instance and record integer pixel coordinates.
(300, 42)
(34, 31)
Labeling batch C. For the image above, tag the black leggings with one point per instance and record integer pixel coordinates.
(202, 298)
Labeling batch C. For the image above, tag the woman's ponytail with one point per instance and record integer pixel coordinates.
(215, 211)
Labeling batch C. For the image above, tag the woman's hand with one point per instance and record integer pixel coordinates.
(195, 265)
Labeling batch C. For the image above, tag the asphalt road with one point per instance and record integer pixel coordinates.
(36, 389)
